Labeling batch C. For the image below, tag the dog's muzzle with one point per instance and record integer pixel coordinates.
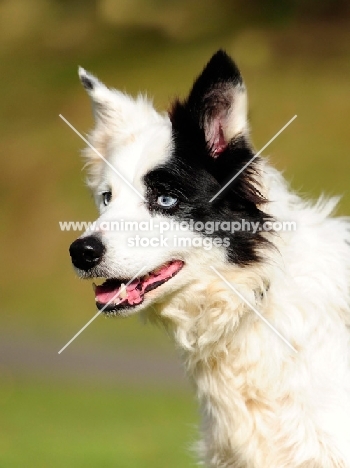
(86, 252)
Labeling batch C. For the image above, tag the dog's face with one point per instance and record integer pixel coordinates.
(160, 172)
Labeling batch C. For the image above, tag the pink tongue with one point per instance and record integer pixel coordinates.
(108, 294)
(103, 294)
(165, 272)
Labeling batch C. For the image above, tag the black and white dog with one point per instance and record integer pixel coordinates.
(264, 404)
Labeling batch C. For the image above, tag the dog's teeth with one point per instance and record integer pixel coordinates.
(94, 286)
(123, 294)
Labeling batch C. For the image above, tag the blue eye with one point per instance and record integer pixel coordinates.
(166, 201)
(106, 198)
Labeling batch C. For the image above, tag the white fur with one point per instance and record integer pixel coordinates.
(263, 406)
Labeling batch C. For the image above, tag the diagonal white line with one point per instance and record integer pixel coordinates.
(99, 312)
(254, 309)
(103, 158)
(248, 163)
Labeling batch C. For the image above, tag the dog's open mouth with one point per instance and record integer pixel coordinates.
(113, 294)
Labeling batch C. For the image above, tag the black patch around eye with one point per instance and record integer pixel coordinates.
(155, 188)
(195, 174)
(194, 178)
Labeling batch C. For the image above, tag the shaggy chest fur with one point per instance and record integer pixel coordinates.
(262, 404)
(265, 402)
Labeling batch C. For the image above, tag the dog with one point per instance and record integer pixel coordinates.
(227, 296)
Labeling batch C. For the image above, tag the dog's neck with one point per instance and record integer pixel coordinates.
(206, 319)
(222, 341)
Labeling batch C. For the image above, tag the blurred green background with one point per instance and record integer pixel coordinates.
(117, 396)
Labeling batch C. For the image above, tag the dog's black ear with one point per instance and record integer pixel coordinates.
(218, 102)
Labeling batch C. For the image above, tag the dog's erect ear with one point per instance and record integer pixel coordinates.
(218, 100)
(103, 99)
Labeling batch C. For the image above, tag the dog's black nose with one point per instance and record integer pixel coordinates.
(86, 252)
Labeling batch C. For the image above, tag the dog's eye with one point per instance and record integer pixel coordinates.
(106, 197)
(166, 201)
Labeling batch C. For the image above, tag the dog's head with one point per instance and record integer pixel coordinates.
(159, 175)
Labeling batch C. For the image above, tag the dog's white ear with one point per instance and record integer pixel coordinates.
(103, 99)
(218, 100)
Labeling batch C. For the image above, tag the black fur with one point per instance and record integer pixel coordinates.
(86, 82)
(209, 92)
(194, 176)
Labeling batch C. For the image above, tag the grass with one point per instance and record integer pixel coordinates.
(63, 425)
